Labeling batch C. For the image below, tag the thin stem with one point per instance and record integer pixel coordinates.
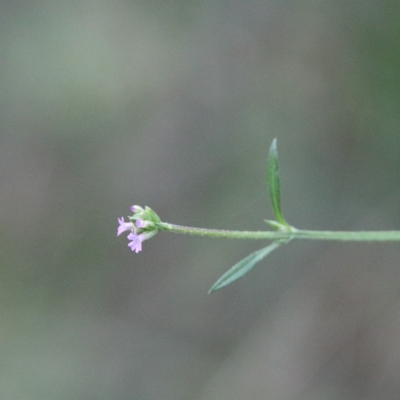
(291, 233)
(360, 236)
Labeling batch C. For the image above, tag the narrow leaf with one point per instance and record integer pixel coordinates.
(273, 182)
(244, 266)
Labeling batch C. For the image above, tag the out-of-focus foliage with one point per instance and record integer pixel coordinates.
(173, 104)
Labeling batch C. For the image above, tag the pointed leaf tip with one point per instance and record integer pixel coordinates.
(244, 266)
(274, 183)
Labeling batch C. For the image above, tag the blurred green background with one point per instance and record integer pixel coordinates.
(173, 104)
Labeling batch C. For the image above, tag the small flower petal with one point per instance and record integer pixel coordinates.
(141, 223)
(124, 226)
(136, 241)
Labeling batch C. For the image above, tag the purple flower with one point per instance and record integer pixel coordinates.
(124, 226)
(135, 209)
(136, 243)
(141, 223)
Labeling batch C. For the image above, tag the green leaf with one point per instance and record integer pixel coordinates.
(245, 265)
(273, 182)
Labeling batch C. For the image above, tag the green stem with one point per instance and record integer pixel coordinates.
(291, 233)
